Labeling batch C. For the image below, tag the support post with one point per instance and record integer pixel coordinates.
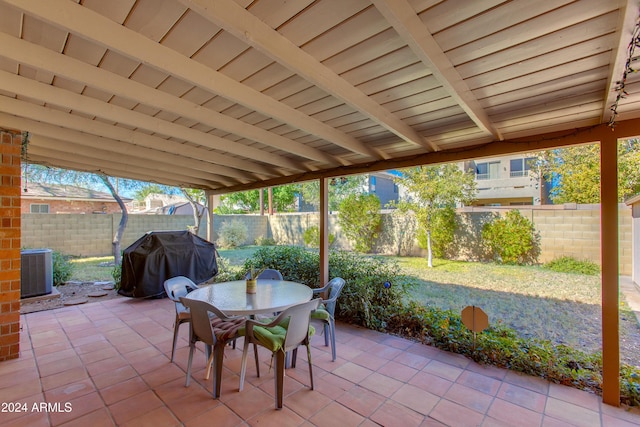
(324, 231)
(609, 262)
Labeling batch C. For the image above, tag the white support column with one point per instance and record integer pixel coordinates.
(610, 267)
(324, 231)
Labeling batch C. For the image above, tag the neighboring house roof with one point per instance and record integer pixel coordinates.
(65, 192)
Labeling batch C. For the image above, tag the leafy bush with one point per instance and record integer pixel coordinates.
(364, 298)
(225, 273)
(265, 241)
(512, 239)
(62, 268)
(359, 216)
(116, 273)
(232, 234)
(567, 264)
(443, 227)
(311, 237)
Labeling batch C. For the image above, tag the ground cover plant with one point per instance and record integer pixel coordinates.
(543, 323)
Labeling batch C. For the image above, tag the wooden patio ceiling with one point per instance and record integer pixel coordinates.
(226, 95)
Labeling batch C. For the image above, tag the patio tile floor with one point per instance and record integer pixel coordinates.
(107, 363)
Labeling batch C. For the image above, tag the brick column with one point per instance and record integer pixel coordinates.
(10, 147)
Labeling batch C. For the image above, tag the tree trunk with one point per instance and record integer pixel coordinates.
(117, 237)
(429, 253)
(197, 215)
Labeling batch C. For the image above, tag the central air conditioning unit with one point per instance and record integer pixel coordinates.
(36, 272)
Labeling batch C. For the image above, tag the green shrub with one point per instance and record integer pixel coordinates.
(311, 237)
(62, 268)
(225, 273)
(443, 227)
(232, 234)
(512, 239)
(364, 298)
(265, 241)
(116, 273)
(359, 216)
(567, 264)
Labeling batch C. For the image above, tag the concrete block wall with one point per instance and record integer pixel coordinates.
(10, 151)
(572, 231)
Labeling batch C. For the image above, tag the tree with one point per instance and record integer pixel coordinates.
(196, 199)
(431, 190)
(339, 189)
(359, 216)
(575, 172)
(249, 201)
(43, 174)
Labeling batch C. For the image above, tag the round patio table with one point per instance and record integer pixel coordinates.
(271, 296)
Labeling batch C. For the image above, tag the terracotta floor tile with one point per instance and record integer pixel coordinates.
(106, 366)
(393, 414)
(432, 383)
(335, 414)
(362, 401)
(398, 371)
(164, 375)
(531, 383)
(63, 378)
(569, 412)
(381, 384)
(469, 397)
(307, 402)
(78, 407)
(352, 372)
(412, 360)
(117, 375)
(443, 370)
(33, 419)
(575, 396)
(70, 391)
(60, 365)
(98, 418)
(223, 416)
(369, 361)
(249, 403)
(128, 409)
(479, 382)
(159, 417)
(522, 397)
(510, 413)
(415, 398)
(453, 414)
(123, 390)
(272, 418)
(189, 406)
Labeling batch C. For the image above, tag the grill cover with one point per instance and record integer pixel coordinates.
(160, 255)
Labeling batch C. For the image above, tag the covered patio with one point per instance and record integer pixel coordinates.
(231, 95)
(109, 362)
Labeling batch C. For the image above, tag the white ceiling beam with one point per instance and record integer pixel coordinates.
(58, 118)
(90, 25)
(109, 159)
(39, 57)
(134, 153)
(236, 20)
(401, 15)
(93, 107)
(61, 159)
(626, 24)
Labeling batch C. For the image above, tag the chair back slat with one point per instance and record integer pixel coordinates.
(337, 284)
(178, 286)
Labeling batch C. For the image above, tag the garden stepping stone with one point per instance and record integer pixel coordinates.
(96, 294)
(108, 287)
(75, 301)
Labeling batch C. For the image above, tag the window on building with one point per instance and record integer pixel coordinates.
(488, 170)
(373, 183)
(521, 167)
(39, 208)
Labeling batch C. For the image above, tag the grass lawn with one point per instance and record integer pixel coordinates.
(561, 307)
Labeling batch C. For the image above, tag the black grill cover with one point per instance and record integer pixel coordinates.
(160, 255)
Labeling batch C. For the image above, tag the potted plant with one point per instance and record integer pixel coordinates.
(251, 279)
